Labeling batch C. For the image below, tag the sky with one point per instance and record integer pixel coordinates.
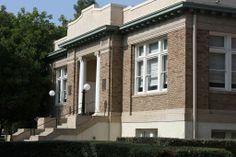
(56, 7)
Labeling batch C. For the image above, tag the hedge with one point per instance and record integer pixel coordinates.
(103, 149)
(226, 144)
(2, 139)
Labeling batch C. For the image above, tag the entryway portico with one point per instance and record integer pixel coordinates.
(89, 72)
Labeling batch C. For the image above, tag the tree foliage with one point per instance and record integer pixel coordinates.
(25, 41)
(82, 4)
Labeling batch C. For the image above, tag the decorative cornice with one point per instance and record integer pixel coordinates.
(173, 11)
(140, 23)
(89, 36)
(57, 54)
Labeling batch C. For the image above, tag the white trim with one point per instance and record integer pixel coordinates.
(62, 77)
(82, 78)
(98, 71)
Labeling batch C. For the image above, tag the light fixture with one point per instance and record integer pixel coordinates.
(87, 87)
(52, 93)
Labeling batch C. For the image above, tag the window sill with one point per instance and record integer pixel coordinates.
(222, 91)
(150, 94)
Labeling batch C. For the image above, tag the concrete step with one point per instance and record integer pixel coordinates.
(32, 138)
(69, 124)
(47, 132)
(82, 119)
(62, 126)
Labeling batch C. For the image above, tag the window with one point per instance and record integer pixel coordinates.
(146, 132)
(151, 67)
(233, 135)
(218, 135)
(223, 134)
(222, 62)
(61, 85)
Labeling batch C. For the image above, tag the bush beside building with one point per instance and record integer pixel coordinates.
(104, 149)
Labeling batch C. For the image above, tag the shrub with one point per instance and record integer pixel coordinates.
(103, 149)
(46, 149)
(201, 152)
(228, 145)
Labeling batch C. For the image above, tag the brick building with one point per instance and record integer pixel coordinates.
(163, 68)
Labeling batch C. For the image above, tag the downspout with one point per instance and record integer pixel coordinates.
(194, 76)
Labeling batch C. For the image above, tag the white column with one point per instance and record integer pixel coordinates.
(82, 77)
(61, 87)
(98, 71)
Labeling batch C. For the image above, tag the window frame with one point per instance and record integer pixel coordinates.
(144, 58)
(228, 51)
(62, 77)
(145, 131)
(228, 134)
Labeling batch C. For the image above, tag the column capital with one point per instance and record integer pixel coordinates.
(80, 59)
(97, 53)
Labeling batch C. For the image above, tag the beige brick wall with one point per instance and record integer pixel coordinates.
(176, 69)
(104, 84)
(127, 78)
(111, 77)
(213, 106)
(69, 107)
(116, 73)
(175, 96)
(189, 67)
(202, 66)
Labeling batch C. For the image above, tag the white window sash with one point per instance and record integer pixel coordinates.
(146, 56)
(228, 51)
(62, 78)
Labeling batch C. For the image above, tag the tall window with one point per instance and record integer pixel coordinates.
(151, 66)
(61, 85)
(222, 62)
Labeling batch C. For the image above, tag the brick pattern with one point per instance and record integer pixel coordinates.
(116, 71)
(104, 93)
(127, 81)
(202, 69)
(206, 99)
(76, 89)
(69, 107)
(189, 67)
(216, 100)
(175, 97)
(176, 69)
(70, 84)
(111, 75)
(222, 101)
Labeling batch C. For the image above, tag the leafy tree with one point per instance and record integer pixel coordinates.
(82, 4)
(63, 21)
(25, 41)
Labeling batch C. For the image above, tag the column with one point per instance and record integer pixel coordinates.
(61, 87)
(97, 94)
(82, 77)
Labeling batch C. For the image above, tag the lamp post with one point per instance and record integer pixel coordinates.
(86, 88)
